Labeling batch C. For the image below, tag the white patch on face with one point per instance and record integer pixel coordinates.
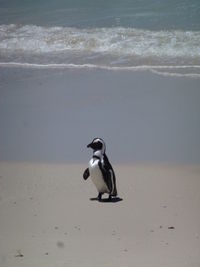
(102, 142)
(97, 140)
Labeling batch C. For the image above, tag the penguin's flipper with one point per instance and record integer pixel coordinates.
(86, 174)
(106, 176)
(110, 172)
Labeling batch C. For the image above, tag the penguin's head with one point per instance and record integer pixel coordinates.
(98, 144)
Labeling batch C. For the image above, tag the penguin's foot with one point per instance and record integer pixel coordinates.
(110, 198)
(99, 197)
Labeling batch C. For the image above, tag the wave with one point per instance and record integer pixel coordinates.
(123, 41)
(113, 48)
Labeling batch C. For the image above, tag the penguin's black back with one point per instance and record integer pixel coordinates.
(108, 175)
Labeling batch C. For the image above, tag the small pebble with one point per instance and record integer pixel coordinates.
(171, 227)
(19, 254)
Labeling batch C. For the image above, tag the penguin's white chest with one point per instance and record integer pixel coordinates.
(97, 177)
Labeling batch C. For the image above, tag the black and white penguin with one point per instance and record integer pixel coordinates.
(100, 170)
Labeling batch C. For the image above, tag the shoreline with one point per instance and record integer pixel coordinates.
(160, 70)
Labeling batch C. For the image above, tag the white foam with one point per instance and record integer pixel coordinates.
(174, 53)
(116, 41)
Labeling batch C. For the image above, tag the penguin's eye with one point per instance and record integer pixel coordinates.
(98, 145)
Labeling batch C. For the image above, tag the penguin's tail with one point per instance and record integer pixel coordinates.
(114, 193)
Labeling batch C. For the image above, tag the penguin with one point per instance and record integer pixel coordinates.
(100, 170)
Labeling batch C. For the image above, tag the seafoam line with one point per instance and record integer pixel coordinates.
(175, 74)
(153, 68)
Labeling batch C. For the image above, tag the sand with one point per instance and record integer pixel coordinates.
(48, 219)
(147, 121)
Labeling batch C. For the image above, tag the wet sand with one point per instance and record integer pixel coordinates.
(50, 115)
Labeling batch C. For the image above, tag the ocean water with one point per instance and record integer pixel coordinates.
(160, 35)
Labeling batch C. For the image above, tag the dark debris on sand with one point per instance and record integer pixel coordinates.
(19, 254)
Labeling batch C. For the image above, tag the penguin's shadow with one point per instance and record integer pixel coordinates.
(107, 200)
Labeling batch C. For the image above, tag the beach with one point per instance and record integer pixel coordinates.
(124, 71)
(151, 130)
(48, 219)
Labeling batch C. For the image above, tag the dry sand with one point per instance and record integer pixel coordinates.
(47, 218)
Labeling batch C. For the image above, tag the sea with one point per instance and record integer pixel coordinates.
(159, 35)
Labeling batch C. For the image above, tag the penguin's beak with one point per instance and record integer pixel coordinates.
(89, 145)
